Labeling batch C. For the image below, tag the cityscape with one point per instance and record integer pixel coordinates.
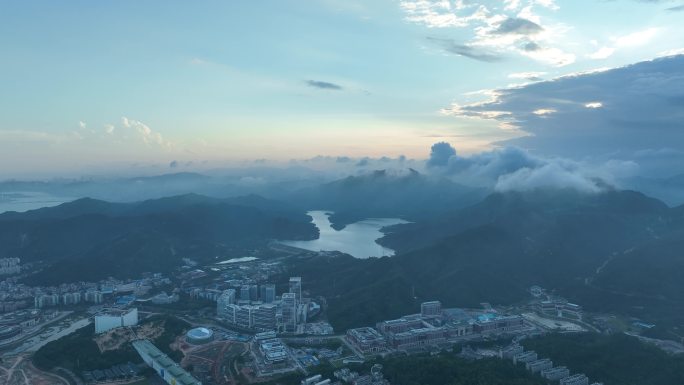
(276, 329)
(342, 192)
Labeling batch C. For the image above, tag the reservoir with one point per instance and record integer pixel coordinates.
(357, 239)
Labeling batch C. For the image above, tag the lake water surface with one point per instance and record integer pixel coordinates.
(357, 239)
(28, 200)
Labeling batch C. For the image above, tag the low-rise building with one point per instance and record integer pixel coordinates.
(525, 357)
(273, 351)
(366, 340)
(492, 325)
(511, 350)
(167, 369)
(539, 365)
(575, 379)
(555, 374)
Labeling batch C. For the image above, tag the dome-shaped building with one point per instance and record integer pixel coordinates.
(198, 336)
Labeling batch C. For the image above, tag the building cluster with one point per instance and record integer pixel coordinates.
(542, 366)
(346, 376)
(257, 307)
(554, 306)
(559, 307)
(72, 298)
(115, 319)
(433, 326)
(81, 292)
(10, 266)
(115, 373)
(14, 323)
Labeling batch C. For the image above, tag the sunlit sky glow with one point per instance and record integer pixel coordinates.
(104, 85)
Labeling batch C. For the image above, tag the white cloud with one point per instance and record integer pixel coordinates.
(497, 28)
(555, 174)
(636, 38)
(147, 135)
(551, 4)
(532, 76)
(552, 56)
(512, 168)
(82, 125)
(602, 53)
(544, 111)
(594, 105)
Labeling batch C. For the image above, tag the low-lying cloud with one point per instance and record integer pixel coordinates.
(514, 169)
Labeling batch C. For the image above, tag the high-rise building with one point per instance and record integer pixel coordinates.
(243, 316)
(226, 298)
(296, 287)
(289, 310)
(253, 293)
(244, 293)
(93, 296)
(264, 317)
(268, 293)
(256, 317)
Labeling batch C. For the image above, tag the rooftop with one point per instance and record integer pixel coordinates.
(171, 367)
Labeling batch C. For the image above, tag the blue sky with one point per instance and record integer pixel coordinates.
(104, 85)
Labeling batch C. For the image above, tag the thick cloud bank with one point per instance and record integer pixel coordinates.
(621, 113)
(512, 168)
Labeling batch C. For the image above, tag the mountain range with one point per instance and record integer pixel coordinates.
(89, 239)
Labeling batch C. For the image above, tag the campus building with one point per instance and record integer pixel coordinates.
(167, 369)
(116, 319)
(366, 340)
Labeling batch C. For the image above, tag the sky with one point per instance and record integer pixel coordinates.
(111, 85)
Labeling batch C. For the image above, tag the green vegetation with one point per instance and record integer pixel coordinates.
(495, 250)
(94, 239)
(444, 369)
(614, 360)
(78, 351)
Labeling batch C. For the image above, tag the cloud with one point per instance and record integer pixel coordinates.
(602, 53)
(633, 39)
(363, 162)
(531, 76)
(518, 26)
(678, 8)
(512, 168)
(497, 29)
(531, 47)
(173, 164)
(464, 50)
(615, 111)
(440, 153)
(636, 38)
(147, 135)
(551, 175)
(82, 125)
(323, 85)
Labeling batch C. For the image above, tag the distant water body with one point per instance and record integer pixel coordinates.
(357, 239)
(28, 200)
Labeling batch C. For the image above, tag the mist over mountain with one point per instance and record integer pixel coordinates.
(576, 243)
(408, 195)
(90, 239)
